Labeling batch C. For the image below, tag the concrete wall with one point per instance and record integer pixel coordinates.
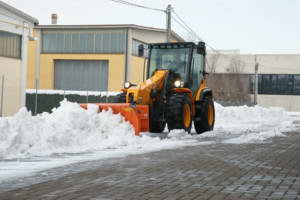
(288, 102)
(14, 70)
(268, 64)
(272, 63)
(275, 64)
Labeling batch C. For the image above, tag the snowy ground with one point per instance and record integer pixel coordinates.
(70, 134)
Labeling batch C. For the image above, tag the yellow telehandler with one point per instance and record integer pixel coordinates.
(175, 92)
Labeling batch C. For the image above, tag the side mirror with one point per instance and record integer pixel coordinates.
(201, 48)
(141, 50)
(205, 73)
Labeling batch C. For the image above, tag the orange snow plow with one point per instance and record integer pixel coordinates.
(136, 115)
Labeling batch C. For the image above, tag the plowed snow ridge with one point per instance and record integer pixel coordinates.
(70, 129)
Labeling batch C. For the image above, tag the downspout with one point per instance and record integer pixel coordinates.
(23, 70)
(126, 56)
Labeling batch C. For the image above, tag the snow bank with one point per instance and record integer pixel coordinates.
(70, 134)
(243, 124)
(71, 129)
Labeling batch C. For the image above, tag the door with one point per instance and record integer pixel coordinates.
(91, 75)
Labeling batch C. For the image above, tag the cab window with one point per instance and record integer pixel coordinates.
(197, 70)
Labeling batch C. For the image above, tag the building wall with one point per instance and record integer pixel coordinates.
(10, 69)
(268, 64)
(14, 69)
(138, 69)
(116, 63)
(288, 102)
(136, 64)
(149, 36)
(275, 64)
(41, 68)
(41, 65)
(32, 62)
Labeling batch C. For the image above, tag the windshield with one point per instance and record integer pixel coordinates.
(168, 58)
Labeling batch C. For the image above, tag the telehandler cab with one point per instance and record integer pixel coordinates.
(175, 92)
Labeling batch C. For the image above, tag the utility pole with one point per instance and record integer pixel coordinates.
(168, 12)
(256, 81)
(2, 93)
(36, 97)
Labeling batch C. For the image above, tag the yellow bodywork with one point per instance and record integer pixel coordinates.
(199, 91)
(141, 92)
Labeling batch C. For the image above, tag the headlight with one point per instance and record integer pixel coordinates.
(127, 85)
(178, 84)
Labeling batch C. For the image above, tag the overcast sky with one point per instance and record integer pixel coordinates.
(252, 26)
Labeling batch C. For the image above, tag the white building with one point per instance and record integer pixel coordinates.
(15, 31)
(278, 79)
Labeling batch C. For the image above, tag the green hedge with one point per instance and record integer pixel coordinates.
(46, 102)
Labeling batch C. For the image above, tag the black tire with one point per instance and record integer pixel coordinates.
(156, 123)
(119, 98)
(176, 112)
(202, 122)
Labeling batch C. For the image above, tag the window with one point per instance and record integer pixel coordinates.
(281, 84)
(269, 83)
(197, 70)
(135, 48)
(296, 88)
(175, 59)
(10, 45)
(83, 41)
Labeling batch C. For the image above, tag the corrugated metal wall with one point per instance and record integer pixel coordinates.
(10, 45)
(83, 41)
(91, 75)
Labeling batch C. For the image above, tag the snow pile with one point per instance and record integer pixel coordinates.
(243, 124)
(71, 129)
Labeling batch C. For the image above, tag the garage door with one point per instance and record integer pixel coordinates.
(91, 75)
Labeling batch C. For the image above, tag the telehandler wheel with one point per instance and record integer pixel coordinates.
(205, 115)
(179, 112)
(156, 124)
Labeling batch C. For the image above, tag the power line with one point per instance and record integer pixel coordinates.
(187, 27)
(184, 25)
(181, 23)
(137, 5)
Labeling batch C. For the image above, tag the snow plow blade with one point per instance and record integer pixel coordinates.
(137, 115)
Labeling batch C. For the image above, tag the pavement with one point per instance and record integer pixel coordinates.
(269, 170)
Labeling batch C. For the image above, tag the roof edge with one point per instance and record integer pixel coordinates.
(19, 13)
(87, 26)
